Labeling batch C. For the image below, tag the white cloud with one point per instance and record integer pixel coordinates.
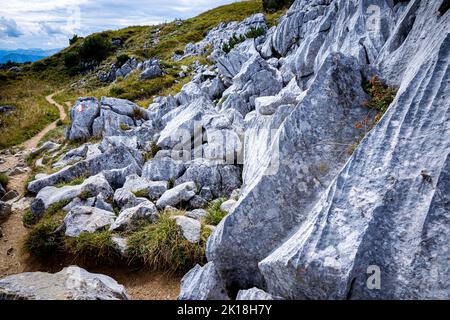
(9, 28)
(49, 23)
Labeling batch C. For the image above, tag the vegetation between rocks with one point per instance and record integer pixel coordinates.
(158, 246)
(4, 179)
(161, 246)
(215, 214)
(381, 95)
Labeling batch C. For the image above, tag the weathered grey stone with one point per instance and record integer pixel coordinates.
(197, 214)
(125, 107)
(254, 294)
(101, 202)
(82, 116)
(163, 169)
(179, 131)
(197, 202)
(151, 72)
(114, 158)
(46, 146)
(130, 217)
(71, 283)
(110, 123)
(51, 195)
(228, 205)
(203, 283)
(221, 34)
(190, 228)
(2, 191)
(384, 213)
(180, 193)
(10, 195)
(77, 202)
(117, 177)
(87, 219)
(124, 199)
(220, 179)
(235, 194)
(121, 244)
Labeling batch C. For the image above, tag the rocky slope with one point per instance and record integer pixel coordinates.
(273, 123)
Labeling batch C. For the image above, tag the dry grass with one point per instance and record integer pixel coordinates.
(33, 113)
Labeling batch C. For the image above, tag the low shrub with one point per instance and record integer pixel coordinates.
(255, 32)
(122, 59)
(274, 5)
(381, 95)
(138, 114)
(73, 40)
(44, 239)
(29, 219)
(233, 42)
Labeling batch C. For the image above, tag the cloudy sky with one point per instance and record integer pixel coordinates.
(49, 24)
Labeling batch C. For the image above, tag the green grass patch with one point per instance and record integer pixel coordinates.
(29, 219)
(97, 246)
(141, 194)
(43, 240)
(161, 246)
(215, 214)
(74, 182)
(124, 127)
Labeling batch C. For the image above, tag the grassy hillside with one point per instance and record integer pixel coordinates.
(64, 70)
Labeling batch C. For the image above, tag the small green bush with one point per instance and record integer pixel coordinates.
(381, 95)
(255, 32)
(4, 179)
(122, 59)
(138, 114)
(29, 219)
(215, 214)
(95, 48)
(73, 40)
(233, 42)
(161, 246)
(43, 240)
(275, 5)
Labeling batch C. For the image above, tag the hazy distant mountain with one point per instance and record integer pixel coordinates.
(25, 55)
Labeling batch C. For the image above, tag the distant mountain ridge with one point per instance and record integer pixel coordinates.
(25, 55)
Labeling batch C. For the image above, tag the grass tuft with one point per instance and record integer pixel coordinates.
(97, 246)
(4, 179)
(215, 214)
(161, 246)
(43, 240)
